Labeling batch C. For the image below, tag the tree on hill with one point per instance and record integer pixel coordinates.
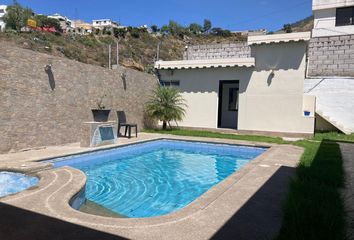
(287, 28)
(16, 16)
(220, 32)
(175, 28)
(207, 26)
(195, 28)
(165, 30)
(120, 32)
(154, 28)
(44, 21)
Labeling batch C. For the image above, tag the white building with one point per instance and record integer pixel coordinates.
(331, 64)
(333, 17)
(261, 94)
(2, 13)
(65, 23)
(104, 23)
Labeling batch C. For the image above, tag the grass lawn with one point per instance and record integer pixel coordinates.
(313, 208)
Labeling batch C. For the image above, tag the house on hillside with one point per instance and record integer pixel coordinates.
(81, 27)
(65, 23)
(2, 14)
(252, 87)
(102, 24)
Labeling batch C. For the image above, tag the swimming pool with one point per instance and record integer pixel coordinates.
(11, 182)
(157, 177)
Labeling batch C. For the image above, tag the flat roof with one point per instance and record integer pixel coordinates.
(206, 63)
(106, 19)
(326, 4)
(278, 38)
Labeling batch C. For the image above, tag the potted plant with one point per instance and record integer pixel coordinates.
(100, 114)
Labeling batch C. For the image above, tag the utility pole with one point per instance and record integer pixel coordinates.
(117, 53)
(158, 52)
(109, 56)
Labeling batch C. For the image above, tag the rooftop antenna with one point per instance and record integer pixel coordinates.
(109, 56)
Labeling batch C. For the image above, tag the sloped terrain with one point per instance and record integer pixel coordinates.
(138, 53)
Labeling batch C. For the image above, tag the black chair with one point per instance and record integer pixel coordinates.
(122, 122)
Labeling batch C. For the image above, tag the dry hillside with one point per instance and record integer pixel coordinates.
(138, 53)
(134, 52)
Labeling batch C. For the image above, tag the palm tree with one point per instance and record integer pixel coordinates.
(166, 104)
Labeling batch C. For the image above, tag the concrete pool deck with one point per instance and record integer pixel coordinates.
(247, 205)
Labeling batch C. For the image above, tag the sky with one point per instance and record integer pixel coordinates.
(228, 14)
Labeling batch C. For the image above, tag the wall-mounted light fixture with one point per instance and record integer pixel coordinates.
(48, 68)
(123, 75)
(272, 74)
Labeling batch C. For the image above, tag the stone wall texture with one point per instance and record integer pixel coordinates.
(331, 56)
(34, 115)
(217, 51)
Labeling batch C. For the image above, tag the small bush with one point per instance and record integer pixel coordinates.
(88, 41)
(135, 32)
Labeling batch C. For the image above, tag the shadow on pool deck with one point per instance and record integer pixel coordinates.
(261, 216)
(20, 224)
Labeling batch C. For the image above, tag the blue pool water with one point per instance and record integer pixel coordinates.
(11, 182)
(157, 177)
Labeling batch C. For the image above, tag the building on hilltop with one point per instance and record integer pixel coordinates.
(107, 24)
(2, 14)
(65, 23)
(81, 27)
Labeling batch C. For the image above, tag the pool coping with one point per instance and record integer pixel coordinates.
(66, 182)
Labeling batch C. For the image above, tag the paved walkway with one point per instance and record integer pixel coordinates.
(247, 205)
(347, 150)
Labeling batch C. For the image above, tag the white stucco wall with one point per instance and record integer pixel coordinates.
(200, 88)
(276, 103)
(335, 99)
(265, 103)
(325, 4)
(325, 24)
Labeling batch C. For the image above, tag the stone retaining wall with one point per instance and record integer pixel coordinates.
(218, 51)
(331, 56)
(34, 115)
